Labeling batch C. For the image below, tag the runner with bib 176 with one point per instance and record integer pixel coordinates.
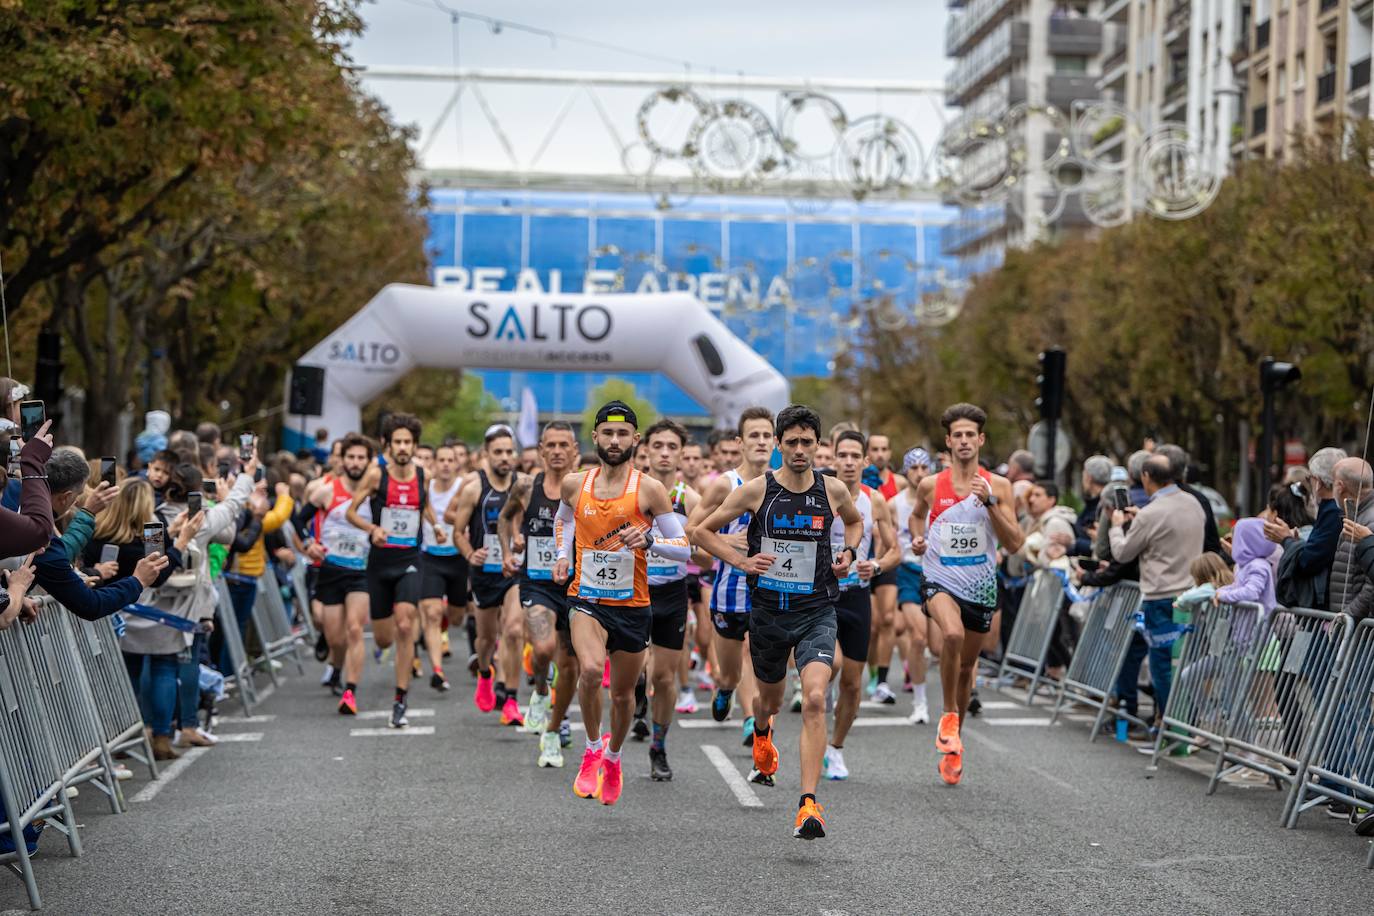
(794, 584)
(957, 520)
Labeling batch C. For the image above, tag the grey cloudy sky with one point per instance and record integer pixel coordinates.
(872, 39)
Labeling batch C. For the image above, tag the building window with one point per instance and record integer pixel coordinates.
(1070, 64)
(1282, 82)
(1299, 72)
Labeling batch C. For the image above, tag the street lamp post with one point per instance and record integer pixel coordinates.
(1273, 376)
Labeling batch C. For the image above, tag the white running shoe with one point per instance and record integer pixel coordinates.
(883, 694)
(208, 736)
(920, 714)
(537, 714)
(550, 752)
(686, 702)
(834, 764)
(797, 699)
(327, 675)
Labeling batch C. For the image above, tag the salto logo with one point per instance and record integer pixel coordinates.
(555, 322)
(364, 353)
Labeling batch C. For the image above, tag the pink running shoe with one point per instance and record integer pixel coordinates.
(611, 782)
(606, 674)
(588, 781)
(510, 712)
(485, 696)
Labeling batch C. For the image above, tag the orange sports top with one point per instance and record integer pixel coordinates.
(607, 571)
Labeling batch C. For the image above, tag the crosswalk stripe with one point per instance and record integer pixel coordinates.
(409, 732)
(239, 737)
(386, 714)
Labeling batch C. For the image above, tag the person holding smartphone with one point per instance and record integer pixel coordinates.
(29, 528)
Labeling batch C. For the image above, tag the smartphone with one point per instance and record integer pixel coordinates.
(1349, 506)
(152, 538)
(14, 456)
(209, 488)
(1120, 498)
(109, 553)
(31, 417)
(224, 469)
(194, 502)
(107, 470)
(259, 474)
(246, 447)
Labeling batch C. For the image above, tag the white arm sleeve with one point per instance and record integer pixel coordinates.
(673, 543)
(564, 530)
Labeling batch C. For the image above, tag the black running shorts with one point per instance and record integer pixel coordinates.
(393, 577)
(730, 626)
(546, 594)
(976, 617)
(444, 576)
(854, 621)
(669, 605)
(694, 588)
(627, 628)
(489, 589)
(775, 637)
(337, 582)
(886, 577)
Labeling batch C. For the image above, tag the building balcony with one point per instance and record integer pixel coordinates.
(1075, 37)
(1327, 6)
(1326, 87)
(1262, 36)
(1176, 24)
(963, 30)
(1063, 89)
(1359, 74)
(987, 61)
(1115, 10)
(958, 237)
(1259, 120)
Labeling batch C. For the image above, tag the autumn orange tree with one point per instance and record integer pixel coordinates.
(1165, 322)
(194, 193)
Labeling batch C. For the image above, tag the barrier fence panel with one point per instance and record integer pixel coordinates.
(116, 703)
(241, 677)
(1278, 704)
(1029, 642)
(30, 775)
(271, 619)
(301, 597)
(82, 752)
(1102, 643)
(1340, 764)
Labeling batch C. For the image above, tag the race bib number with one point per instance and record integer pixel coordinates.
(794, 570)
(963, 544)
(852, 580)
(606, 575)
(347, 550)
(402, 525)
(446, 549)
(541, 557)
(492, 564)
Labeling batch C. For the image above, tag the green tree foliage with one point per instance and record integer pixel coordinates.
(194, 194)
(470, 411)
(614, 389)
(1165, 322)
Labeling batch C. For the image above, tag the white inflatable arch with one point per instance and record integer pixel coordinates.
(406, 327)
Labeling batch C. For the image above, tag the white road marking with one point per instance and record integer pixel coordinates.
(388, 732)
(167, 774)
(233, 737)
(1017, 722)
(984, 740)
(386, 714)
(1063, 784)
(744, 793)
(245, 720)
(739, 725)
(1002, 704)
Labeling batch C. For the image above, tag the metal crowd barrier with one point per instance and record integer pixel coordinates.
(116, 703)
(1341, 757)
(52, 732)
(1103, 640)
(301, 597)
(240, 679)
(1029, 642)
(273, 623)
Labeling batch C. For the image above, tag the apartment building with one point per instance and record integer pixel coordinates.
(1303, 63)
(1007, 52)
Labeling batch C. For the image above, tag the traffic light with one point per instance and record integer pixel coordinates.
(1051, 381)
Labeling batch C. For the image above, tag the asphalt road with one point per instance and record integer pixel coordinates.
(295, 814)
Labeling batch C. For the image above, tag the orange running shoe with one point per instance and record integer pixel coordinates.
(527, 660)
(948, 742)
(510, 712)
(952, 768)
(765, 753)
(810, 824)
(608, 791)
(588, 779)
(348, 705)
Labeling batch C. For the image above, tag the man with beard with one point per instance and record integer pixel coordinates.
(474, 516)
(526, 524)
(342, 584)
(398, 501)
(605, 519)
